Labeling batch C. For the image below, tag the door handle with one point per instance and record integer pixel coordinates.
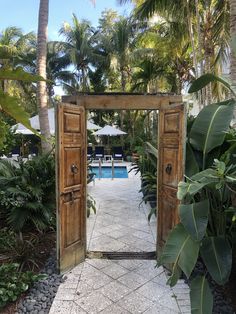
(168, 169)
(74, 169)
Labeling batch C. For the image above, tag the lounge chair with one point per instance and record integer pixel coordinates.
(90, 153)
(15, 154)
(99, 152)
(118, 153)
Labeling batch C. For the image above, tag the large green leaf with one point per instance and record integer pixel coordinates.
(200, 296)
(208, 130)
(11, 106)
(188, 188)
(180, 249)
(217, 255)
(205, 80)
(194, 217)
(191, 165)
(19, 74)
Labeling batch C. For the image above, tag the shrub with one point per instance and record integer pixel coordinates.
(13, 283)
(27, 192)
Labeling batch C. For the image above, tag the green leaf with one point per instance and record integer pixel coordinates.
(19, 74)
(217, 255)
(188, 188)
(208, 130)
(200, 296)
(180, 249)
(204, 80)
(194, 217)
(191, 165)
(10, 105)
(176, 273)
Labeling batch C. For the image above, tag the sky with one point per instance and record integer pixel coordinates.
(24, 13)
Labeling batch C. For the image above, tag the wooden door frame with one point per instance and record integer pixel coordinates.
(129, 101)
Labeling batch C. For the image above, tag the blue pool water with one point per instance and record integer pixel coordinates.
(120, 172)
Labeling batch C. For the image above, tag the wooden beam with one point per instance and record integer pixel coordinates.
(122, 102)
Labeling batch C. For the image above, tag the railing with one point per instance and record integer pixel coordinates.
(100, 169)
(112, 169)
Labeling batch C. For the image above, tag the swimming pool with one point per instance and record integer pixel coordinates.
(119, 172)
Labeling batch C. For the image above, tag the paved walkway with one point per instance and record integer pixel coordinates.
(120, 286)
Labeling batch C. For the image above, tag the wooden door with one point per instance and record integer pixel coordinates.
(71, 186)
(170, 168)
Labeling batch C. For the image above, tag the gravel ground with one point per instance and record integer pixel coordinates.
(221, 305)
(40, 297)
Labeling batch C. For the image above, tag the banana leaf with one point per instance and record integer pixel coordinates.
(205, 79)
(208, 130)
(191, 165)
(180, 250)
(194, 218)
(217, 256)
(200, 296)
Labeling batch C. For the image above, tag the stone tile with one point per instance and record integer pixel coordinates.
(135, 303)
(61, 307)
(130, 264)
(169, 301)
(115, 291)
(132, 280)
(93, 302)
(152, 291)
(64, 294)
(96, 279)
(77, 310)
(114, 270)
(149, 270)
(114, 309)
(82, 289)
(158, 309)
(99, 263)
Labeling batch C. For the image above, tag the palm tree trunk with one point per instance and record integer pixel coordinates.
(41, 70)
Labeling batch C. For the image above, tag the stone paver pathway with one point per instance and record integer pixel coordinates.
(120, 286)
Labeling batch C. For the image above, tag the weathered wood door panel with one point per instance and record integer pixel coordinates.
(170, 168)
(71, 186)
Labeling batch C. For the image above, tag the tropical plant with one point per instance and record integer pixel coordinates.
(13, 283)
(28, 193)
(207, 214)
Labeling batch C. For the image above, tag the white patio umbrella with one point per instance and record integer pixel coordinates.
(21, 129)
(109, 130)
(34, 121)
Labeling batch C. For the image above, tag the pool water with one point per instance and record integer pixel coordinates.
(119, 172)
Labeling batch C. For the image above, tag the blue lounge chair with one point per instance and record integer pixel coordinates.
(90, 153)
(118, 153)
(99, 152)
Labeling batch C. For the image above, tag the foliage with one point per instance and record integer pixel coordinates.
(21, 249)
(91, 205)
(13, 283)
(207, 214)
(146, 164)
(28, 193)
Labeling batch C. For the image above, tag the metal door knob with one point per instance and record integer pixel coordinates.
(168, 169)
(74, 169)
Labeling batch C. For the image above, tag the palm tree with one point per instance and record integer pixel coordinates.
(122, 45)
(41, 70)
(79, 49)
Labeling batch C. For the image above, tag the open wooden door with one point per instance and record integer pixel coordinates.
(170, 168)
(71, 186)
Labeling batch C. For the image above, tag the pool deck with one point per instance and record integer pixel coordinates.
(126, 285)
